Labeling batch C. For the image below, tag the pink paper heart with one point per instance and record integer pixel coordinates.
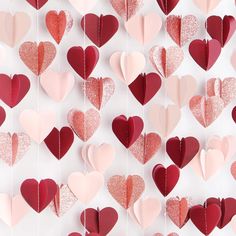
(233, 170)
(144, 28)
(83, 6)
(166, 61)
(206, 5)
(233, 59)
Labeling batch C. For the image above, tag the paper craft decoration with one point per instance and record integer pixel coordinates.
(207, 5)
(234, 114)
(2, 115)
(167, 6)
(233, 170)
(83, 6)
(37, 4)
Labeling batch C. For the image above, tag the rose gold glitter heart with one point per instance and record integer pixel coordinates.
(126, 191)
(146, 147)
(233, 170)
(37, 57)
(84, 124)
(13, 147)
(99, 91)
(166, 61)
(206, 110)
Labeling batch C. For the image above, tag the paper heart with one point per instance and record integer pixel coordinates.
(126, 8)
(166, 61)
(127, 130)
(145, 147)
(83, 6)
(37, 124)
(99, 91)
(56, 84)
(205, 52)
(171, 234)
(2, 115)
(126, 191)
(13, 147)
(13, 28)
(233, 170)
(74, 234)
(221, 29)
(145, 87)
(167, 5)
(58, 24)
(84, 124)
(83, 61)
(99, 221)
(233, 60)
(144, 28)
(127, 66)
(182, 29)
(99, 29)
(164, 120)
(85, 186)
(59, 142)
(206, 110)
(165, 178)
(12, 209)
(234, 114)
(37, 57)
(206, 5)
(37, 4)
(38, 195)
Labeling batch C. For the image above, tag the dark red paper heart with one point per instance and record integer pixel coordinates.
(182, 151)
(145, 87)
(167, 5)
(83, 61)
(99, 29)
(74, 234)
(205, 52)
(99, 221)
(13, 90)
(2, 115)
(127, 131)
(234, 114)
(221, 29)
(165, 178)
(205, 218)
(37, 4)
(38, 195)
(59, 142)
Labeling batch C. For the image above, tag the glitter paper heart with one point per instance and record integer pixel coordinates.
(206, 110)
(126, 8)
(85, 186)
(13, 147)
(205, 52)
(83, 6)
(83, 61)
(2, 115)
(126, 191)
(37, 57)
(38, 195)
(13, 28)
(99, 91)
(233, 60)
(221, 29)
(59, 142)
(233, 170)
(127, 66)
(177, 209)
(145, 87)
(127, 130)
(145, 147)
(144, 28)
(99, 29)
(84, 124)
(164, 120)
(182, 29)
(165, 178)
(58, 24)
(13, 89)
(167, 6)
(37, 4)
(166, 61)
(206, 5)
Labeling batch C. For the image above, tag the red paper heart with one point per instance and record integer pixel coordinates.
(165, 178)
(37, 4)
(59, 142)
(74, 234)
(181, 152)
(38, 195)
(145, 87)
(205, 52)
(13, 90)
(83, 61)
(99, 29)
(2, 115)
(221, 29)
(167, 5)
(127, 131)
(234, 114)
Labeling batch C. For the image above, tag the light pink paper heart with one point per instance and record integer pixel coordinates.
(166, 61)
(13, 147)
(57, 85)
(180, 90)
(144, 28)
(206, 5)
(164, 120)
(37, 124)
(83, 6)
(206, 111)
(13, 28)
(233, 170)
(233, 59)
(85, 186)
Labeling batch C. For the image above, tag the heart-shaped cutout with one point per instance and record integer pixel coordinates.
(37, 4)
(167, 6)
(2, 115)
(83, 6)
(207, 5)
